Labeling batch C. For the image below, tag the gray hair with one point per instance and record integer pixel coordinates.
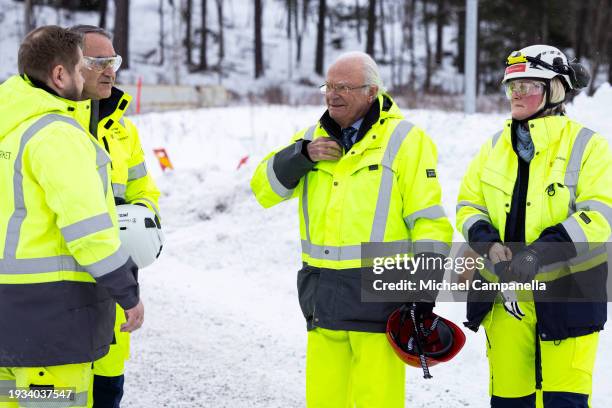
(90, 29)
(370, 69)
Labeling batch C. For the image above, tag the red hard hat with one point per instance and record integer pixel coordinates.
(440, 339)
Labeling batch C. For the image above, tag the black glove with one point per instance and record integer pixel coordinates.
(524, 266)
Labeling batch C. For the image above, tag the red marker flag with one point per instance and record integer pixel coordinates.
(164, 160)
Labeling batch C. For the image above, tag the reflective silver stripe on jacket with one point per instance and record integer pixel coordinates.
(309, 134)
(16, 220)
(86, 227)
(119, 190)
(108, 264)
(40, 265)
(6, 386)
(431, 213)
(572, 171)
(576, 233)
(432, 246)
(480, 208)
(594, 205)
(496, 138)
(10, 264)
(353, 252)
(386, 183)
(470, 222)
(576, 260)
(102, 160)
(275, 184)
(79, 401)
(138, 171)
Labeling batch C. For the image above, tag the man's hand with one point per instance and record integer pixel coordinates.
(135, 318)
(499, 253)
(324, 148)
(524, 265)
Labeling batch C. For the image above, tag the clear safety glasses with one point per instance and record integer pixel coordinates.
(99, 64)
(523, 88)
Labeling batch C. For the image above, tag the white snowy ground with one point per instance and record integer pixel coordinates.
(223, 327)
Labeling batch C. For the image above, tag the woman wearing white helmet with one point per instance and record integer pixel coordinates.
(537, 202)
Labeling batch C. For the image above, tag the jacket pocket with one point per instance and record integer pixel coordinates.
(557, 199)
(307, 283)
(348, 305)
(585, 350)
(497, 192)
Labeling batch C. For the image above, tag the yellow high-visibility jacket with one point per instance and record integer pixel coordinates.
(570, 184)
(131, 183)
(60, 251)
(385, 189)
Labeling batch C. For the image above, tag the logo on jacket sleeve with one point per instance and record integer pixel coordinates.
(5, 155)
(431, 173)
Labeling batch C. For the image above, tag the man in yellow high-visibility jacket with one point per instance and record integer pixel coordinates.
(102, 113)
(62, 267)
(363, 175)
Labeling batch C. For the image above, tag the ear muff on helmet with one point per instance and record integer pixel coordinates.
(579, 75)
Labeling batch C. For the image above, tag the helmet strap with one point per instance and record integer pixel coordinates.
(547, 104)
(419, 347)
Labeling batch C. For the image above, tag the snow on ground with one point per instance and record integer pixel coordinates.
(223, 326)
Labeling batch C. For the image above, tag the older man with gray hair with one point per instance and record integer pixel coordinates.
(363, 174)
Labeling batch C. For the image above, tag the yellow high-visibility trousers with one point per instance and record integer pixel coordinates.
(349, 369)
(113, 363)
(77, 378)
(567, 365)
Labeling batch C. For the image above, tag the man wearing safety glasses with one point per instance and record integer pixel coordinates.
(102, 113)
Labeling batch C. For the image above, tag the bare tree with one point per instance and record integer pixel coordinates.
(440, 22)
(28, 16)
(220, 17)
(381, 26)
(103, 9)
(203, 38)
(186, 11)
(601, 38)
(160, 11)
(259, 67)
(122, 24)
(427, 84)
(371, 28)
(300, 29)
(320, 51)
(411, 14)
(461, 40)
(358, 18)
(582, 24)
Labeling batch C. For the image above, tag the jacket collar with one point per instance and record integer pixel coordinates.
(108, 111)
(381, 108)
(545, 131)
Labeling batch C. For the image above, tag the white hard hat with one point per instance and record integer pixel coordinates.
(545, 62)
(140, 233)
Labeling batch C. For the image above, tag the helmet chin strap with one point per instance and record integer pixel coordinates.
(547, 104)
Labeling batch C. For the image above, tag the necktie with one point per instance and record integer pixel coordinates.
(347, 137)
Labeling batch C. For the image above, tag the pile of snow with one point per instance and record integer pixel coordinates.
(223, 326)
